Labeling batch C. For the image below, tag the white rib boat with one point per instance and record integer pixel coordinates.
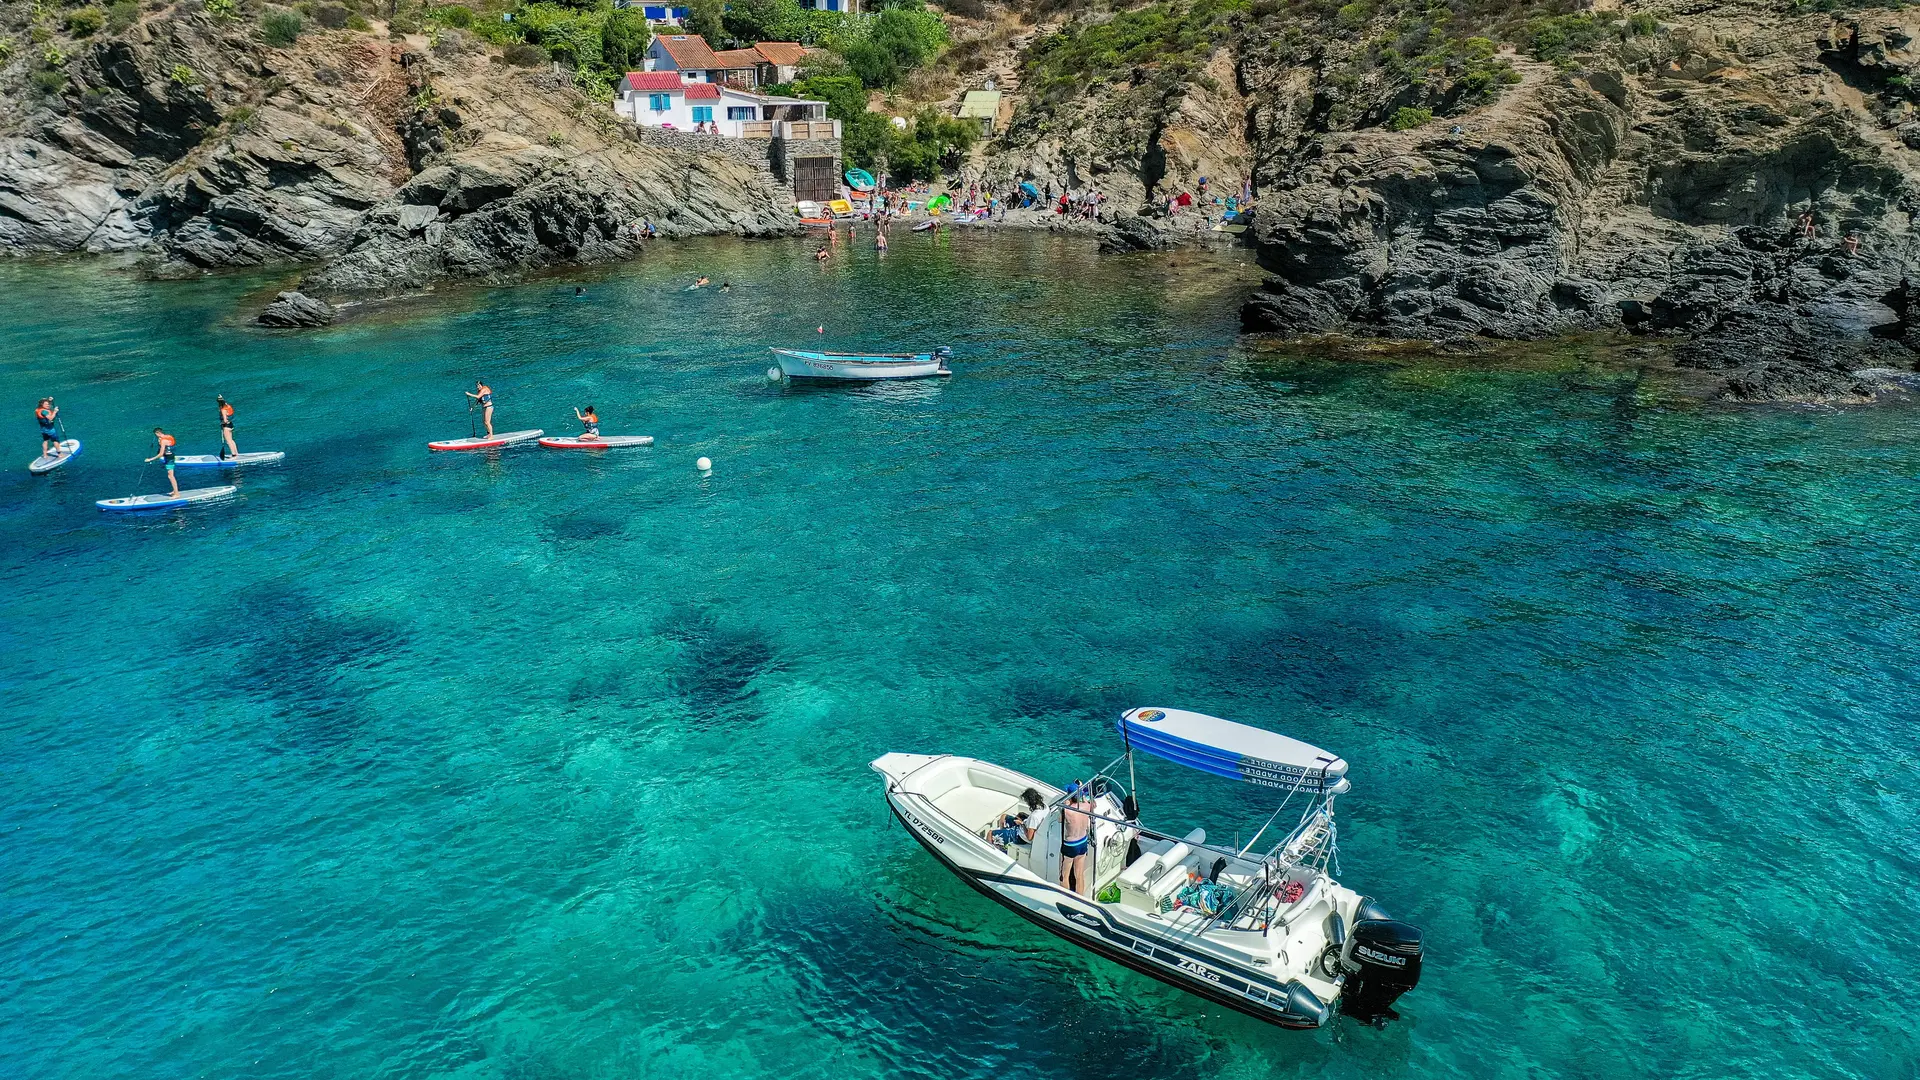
(1268, 933)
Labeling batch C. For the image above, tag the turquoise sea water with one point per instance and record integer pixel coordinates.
(548, 765)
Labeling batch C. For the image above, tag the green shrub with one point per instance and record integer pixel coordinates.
(222, 9)
(181, 75)
(86, 21)
(1355, 14)
(358, 22)
(405, 22)
(932, 143)
(281, 28)
(1556, 38)
(1410, 117)
(455, 15)
(54, 56)
(521, 54)
(124, 14)
(6, 49)
(1642, 25)
(48, 80)
(331, 16)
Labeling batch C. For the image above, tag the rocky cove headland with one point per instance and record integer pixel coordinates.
(1651, 177)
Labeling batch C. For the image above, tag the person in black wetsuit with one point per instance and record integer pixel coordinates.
(226, 428)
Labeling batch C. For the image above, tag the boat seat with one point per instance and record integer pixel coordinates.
(976, 808)
(1139, 875)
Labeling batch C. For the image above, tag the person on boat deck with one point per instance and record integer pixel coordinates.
(1074, 825)
(1022, 828)
(483, 394)
(591, 421)
(49, 416)
(226, 428)
(166, 442)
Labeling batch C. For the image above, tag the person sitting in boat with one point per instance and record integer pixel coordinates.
(1209, 898)
(590, 420)
(1021, 828)
(1074, 826)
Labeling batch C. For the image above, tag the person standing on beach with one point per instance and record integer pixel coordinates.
(165, 455)
(48, 414)
(226, 428)
(482, 394)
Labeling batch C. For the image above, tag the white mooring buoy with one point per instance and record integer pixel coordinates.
(704, 464)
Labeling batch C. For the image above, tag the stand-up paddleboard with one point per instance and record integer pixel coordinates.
(208, 461)
(50, 462)
(604, 442)
(163, 500)
(484, 443)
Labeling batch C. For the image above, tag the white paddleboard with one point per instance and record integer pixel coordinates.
(164, 500)
(604, 442)
(206, 461)
(505, 438)
(50, 462)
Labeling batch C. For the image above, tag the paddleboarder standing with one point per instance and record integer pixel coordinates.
(49, 416)
(226, 428)
(483, 395)
(166, 442)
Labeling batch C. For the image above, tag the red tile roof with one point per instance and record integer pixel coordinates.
(783, 53)
(736, 59)
(689, 51)
(699, 90)
(654, 80)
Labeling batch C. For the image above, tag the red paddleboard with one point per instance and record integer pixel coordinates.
(604, 442)
(506, 438)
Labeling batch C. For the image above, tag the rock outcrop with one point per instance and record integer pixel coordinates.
(1658, 187)
(296, 309)
(390, 164)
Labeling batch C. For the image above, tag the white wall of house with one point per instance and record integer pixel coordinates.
(658, 108)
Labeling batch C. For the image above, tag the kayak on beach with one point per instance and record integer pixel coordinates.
(164, 500)
(485, 442)
(231, 461)
(603, 442)
(69, 449)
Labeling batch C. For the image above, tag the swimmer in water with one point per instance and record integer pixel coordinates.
(702, 281)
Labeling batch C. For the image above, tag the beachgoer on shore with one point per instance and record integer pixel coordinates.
(1806, 224)
(1852, 243)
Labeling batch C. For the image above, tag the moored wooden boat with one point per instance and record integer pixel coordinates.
(807, 364)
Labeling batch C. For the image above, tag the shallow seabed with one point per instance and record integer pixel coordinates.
(547, 765)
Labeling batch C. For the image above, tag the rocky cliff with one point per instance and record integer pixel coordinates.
(1645, 170)
(186, 139)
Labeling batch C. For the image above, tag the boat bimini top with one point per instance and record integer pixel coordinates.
(1235, 751)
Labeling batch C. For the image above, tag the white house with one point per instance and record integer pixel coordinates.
(665, 99)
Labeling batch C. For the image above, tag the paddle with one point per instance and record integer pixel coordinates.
(472, 432)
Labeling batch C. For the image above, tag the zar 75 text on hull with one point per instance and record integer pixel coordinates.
(1269, 933)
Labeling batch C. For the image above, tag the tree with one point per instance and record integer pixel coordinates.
(933, 142)
(623, 40)
(703, 18)
(748, 21)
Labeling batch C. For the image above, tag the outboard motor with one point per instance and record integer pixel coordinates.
(1383, 962)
